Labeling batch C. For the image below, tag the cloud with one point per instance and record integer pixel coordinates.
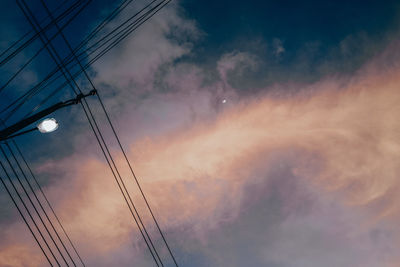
(280, 180)
(160, 41)
(278, 46)
(235, 61)
(339, 141)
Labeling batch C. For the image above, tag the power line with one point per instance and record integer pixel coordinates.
(40, 50)
(20, 212)
(40, 204)
(123, 189)
(115, 29)
(91, 115)
(34, 90)
(102, 143)
(105, 21)
(123, 35)
(41, 85)
(137, 182)
(47, 201)
(23, 202)
(113, 129)
(116, 136)
(30, 40)
(29, 32)
(32, 203)
(93, 33)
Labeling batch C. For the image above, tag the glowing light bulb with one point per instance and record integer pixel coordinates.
(48, 125)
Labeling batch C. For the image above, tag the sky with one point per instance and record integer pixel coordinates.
(263, 133)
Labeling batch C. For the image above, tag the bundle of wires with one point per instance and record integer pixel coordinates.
(95, 45)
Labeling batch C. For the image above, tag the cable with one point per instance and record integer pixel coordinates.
(28, 32)
(41, 85)
(34, 206)
(47, 201)
(20, 212)
(56, 54)
(93, 33)
(116, 136)
(93, 117)
(129, 164)
(24, 45)
(111, 16)
(115, 29)
(40, 50)
(127, 32)
(40, 204)
(137, 182)
(43, 194)
(102, 143)
(23, 203)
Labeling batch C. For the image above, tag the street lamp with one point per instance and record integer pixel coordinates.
(46, 126)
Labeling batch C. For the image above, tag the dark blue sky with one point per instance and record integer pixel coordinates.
(314, 34)
(227, 24)
(315, 30)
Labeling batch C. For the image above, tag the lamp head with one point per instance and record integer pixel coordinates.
(47, 125)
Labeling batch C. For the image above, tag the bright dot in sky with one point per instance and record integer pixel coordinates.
(224, 101)
(48, 125)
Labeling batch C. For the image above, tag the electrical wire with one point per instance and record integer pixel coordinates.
(116, 136)
(40, 50)
(43, 84)
(23, 202)
(91, 115)
(40, 204)
(114, 13)
(33, 38)
(105, 51)
(114, 30)
(47, 201)
(29, 32)
(20, 212)
(33, 205)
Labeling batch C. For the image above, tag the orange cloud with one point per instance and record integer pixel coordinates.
(196, 175)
